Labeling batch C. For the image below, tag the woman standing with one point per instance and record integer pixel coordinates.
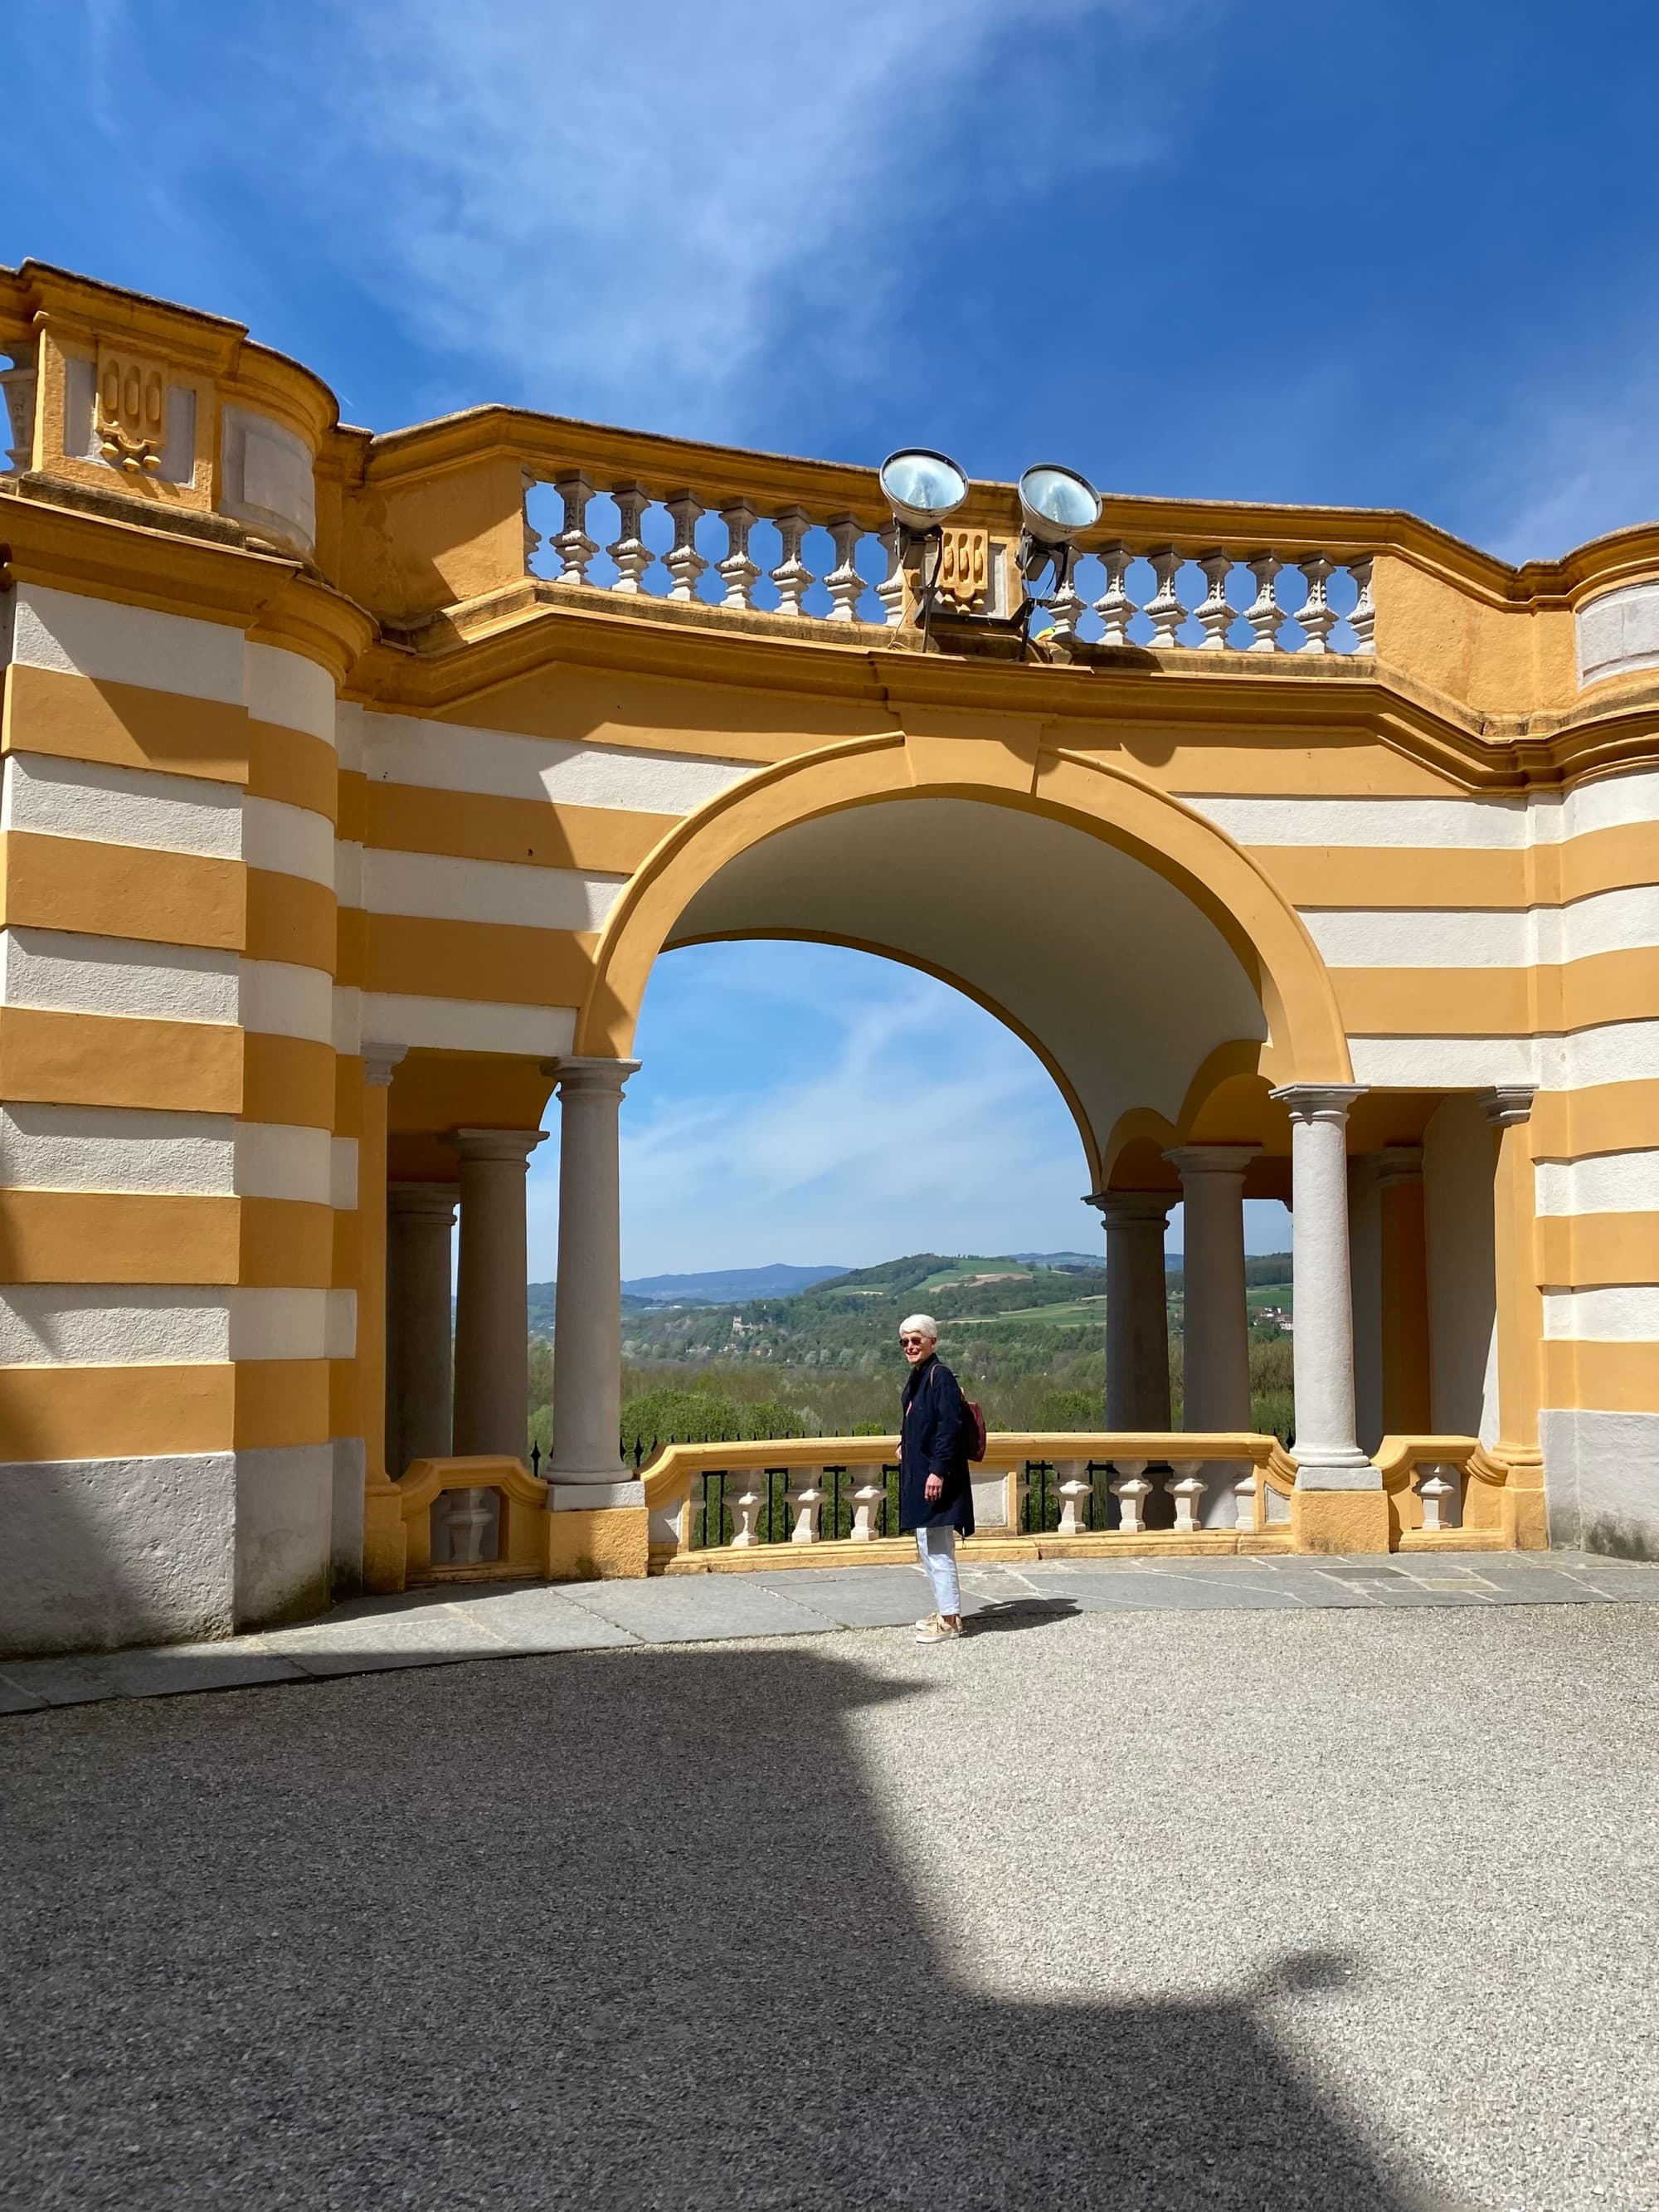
(936, 1497)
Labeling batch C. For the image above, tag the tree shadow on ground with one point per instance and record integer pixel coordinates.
(614, 1930)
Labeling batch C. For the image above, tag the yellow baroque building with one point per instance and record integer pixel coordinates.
(352, 786)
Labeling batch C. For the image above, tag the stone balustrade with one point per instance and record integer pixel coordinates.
(1108, 1493)
(1169, 598)
(640, 536)
(745, 553)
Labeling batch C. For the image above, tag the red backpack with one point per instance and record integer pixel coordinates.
(972, 1430)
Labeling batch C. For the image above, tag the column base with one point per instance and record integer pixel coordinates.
(595, 1544)
(1340, 1521)
(575, 1493)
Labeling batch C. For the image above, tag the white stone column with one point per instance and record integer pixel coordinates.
(585, 1465)
(492, 1310)
(1327, 1452)
(1216, 1358)
(1137, 1324)
(418, 1399)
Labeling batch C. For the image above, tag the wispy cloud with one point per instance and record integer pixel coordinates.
(621, 215)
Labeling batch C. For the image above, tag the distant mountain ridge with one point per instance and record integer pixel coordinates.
(722, 1285)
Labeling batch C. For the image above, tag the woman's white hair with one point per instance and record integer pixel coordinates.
(919, 1325)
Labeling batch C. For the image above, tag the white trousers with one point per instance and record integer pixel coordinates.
(936, 1548)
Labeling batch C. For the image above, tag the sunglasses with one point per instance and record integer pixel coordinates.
(906, 1341)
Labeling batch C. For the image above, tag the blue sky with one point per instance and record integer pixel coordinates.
(1396, 255)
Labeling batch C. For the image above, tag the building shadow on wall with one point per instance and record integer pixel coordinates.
(600, 1930)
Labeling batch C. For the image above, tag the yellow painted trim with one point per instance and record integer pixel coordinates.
(1377, 878)
(108, 1236)
(606, 840)
(1611, 859)
(292, 765)
(71, 717)
(1340, 1521)
(288, 1079)
(351, 792)
(350, 945)
(1140, 1125)
(1609, 1378)
(1606, 1117)
(115, 1412)
(498, 962)
(291, 919)
(286, 1244)
(281, 1402)
(1582, 1249)
(108, 1059)
(80, 883)
(609, 1544)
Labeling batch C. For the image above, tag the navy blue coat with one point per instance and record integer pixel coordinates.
(933, 1440)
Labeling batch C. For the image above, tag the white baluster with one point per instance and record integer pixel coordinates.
(1065, 605)
(803, 1497)
(746, 1508)
(18, 383)
(1245, 1493)
(1187, 1487)
(1436, 1493)
(574, 548)
(1362, 620)
(844, 584)
(1075, 1491)
(866, 1504)
(792, 575)
(469, 1524)
(1165, 606)
(683, 561)
(1264, 614)
(1317, 616)
(629, 550)
(1132, 1489)
(1213, 612)
(1115, 607)
(1019, 1489)
(532, 537)
(890, 590)
(738, 572)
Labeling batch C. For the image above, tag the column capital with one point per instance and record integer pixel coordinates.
(379, 1061)
(577, 1072)
(1509, 1103)
(1133, 1209)
(420, 1200)
(1211, 1160)
(513, 1144)
(1319, 1102)
(1397, 1164)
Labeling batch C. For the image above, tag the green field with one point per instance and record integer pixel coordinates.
(1060, 1316)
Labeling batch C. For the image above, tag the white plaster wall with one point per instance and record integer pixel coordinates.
(105, 1553)
(127, 645)
(454, 757)
(346, 1523)
(121, 805)
(1618, 632)
(1603, 1481)
(465, 1024)
(69, 972)
(1458, 1166)
(284, 1533)
(120, 1148)
(443, 888)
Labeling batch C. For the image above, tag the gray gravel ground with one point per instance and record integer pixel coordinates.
(1270, 1909)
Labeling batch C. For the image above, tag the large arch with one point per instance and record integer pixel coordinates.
(811, 848)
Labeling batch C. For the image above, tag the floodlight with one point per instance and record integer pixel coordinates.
(1057, 504)
(924, 489)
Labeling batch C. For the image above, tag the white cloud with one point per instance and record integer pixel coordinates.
(620, 213)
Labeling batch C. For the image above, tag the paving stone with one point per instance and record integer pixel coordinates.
(423, 1637)
(64, 1682)
(700, 1609)
(863, 1598)
(171, 1670)
(15, 1699)
(539, 1618)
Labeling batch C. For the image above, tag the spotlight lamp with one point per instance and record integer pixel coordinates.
(1056, 506)
(923, 488)
(924, 491)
